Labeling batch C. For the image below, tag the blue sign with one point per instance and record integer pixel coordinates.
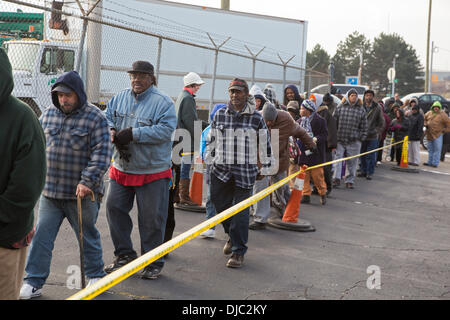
(351, 80)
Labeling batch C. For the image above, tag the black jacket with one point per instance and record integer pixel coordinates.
(415, 126)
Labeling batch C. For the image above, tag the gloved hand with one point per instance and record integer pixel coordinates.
(314, 150)
(123, 151)
(124, 136)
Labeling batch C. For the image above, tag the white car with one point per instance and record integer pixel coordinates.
(341, 89)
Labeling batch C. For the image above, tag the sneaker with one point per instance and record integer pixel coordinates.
(119, 262)
(369, 177)
(150, 272)
(210, 233)
(255, 225)
(235, 261)
(323, 199)
(92, 281)
(306, 199)
(426, 164)
(227, 248)
(28, 291)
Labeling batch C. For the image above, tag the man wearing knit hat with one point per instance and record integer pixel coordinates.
(186, 109)
(316, 127)
(351, 131)
(282, 122)
(375, 123)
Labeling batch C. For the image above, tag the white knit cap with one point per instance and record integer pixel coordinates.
(192, 78)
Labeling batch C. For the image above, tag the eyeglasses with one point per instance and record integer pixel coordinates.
(139, 76)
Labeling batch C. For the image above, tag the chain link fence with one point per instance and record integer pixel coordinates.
(101, 39)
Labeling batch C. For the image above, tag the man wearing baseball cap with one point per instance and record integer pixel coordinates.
(142, 120)
(186, 109)
(237, 163)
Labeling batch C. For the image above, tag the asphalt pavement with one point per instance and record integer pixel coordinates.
(388, 239)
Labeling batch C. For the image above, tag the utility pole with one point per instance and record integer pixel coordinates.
(393, 80)
(427, 71)
(434, 50)
(360, 67)
(225, 4)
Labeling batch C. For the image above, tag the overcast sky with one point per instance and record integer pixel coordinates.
(330, 21)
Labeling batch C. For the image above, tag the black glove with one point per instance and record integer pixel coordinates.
(124, 136)
(314, 150)
(123, 151)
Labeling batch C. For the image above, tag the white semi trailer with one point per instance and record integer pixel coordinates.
(176, 38)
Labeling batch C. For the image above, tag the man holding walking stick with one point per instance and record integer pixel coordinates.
(78, 155)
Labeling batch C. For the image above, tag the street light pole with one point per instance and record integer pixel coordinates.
(427, 71)
(393, 80)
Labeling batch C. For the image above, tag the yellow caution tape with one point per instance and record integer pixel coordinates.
(134, 266)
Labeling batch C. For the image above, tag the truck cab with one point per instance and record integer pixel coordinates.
(36, 65)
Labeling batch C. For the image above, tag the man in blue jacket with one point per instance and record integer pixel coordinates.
(142, 120)
(78, 155)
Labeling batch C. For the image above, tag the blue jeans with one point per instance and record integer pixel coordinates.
(185, 170)
(51, 214)
(434, 151)
(347, 150)
(152, 203)
(210, 209)
(368, 161)
(223, 196)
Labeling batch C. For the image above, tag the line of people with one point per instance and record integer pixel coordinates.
(250, 142)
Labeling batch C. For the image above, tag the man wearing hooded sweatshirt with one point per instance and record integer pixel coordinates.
(22, 177)
(291, 94)
(351, 123)
(437, 123)
(375, 123)
(78, 155)
(316, 127)
(260, 99)
(400, 127)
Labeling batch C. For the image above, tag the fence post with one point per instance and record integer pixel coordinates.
(94, 54)
(254, 56)
(284, 63)
(216, 55)
(158, 58)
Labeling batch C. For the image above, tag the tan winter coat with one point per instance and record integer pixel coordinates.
(437, 124)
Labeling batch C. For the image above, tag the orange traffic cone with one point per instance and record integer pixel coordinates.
(196, 188)
(293, 206)
(290, 219)
(404, 158)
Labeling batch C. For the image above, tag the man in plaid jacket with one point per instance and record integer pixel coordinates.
(78, 155)
(239, 154)
(351, 123)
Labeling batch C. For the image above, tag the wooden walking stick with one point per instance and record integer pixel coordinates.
(80, 223)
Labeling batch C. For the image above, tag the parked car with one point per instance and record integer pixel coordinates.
(338, 88)
(426, 99)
